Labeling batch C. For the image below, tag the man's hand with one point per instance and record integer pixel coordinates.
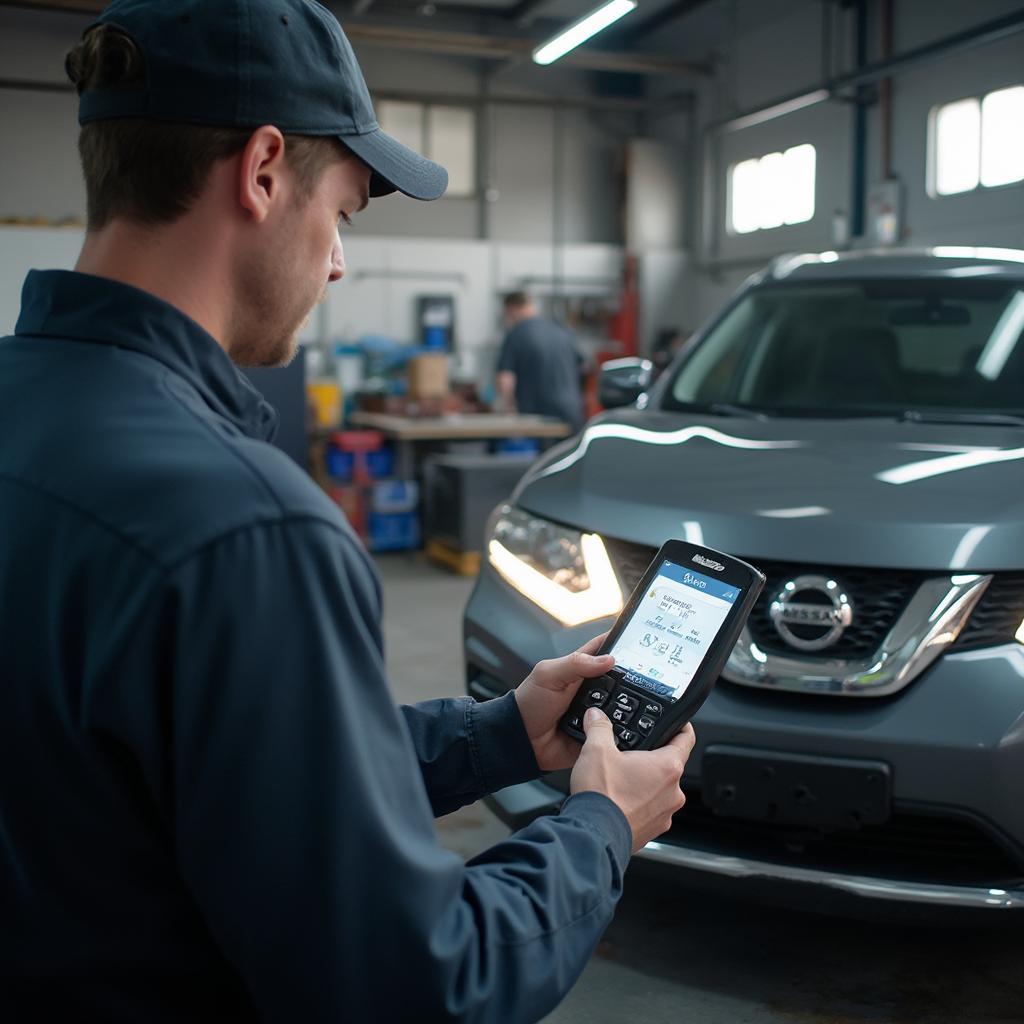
(643, 783)
(544, 696)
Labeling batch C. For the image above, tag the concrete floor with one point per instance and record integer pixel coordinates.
(674, 956)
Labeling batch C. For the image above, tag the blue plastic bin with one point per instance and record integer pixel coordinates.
(517, 446)
(340, 464)
(381, 463)
(397, 531)
(390, 496)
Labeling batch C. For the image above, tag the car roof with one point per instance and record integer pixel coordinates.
(952, 261)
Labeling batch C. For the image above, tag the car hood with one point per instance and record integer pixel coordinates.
(868, 492)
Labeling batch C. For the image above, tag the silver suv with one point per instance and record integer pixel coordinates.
(853, 425)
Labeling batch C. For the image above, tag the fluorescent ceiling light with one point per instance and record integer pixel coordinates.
(582, 30)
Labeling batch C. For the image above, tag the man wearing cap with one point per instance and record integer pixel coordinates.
(209, 807)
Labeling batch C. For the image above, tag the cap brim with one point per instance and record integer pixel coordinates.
(397, 168)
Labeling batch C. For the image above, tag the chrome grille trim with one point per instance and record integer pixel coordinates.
(927, 627)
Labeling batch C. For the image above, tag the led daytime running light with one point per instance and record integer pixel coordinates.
(602, 598)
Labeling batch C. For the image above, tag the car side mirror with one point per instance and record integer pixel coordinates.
(623, 381)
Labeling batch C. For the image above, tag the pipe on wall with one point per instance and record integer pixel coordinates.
(981, 35)
(885, 90)
(858, 175)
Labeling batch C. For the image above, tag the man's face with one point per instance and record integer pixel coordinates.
(283, 281)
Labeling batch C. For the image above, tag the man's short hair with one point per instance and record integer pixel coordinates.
(151, 172)
(517, 300)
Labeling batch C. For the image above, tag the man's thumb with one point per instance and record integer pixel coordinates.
(597, 726)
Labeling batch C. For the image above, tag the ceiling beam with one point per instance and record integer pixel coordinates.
(640, 28)
(526, 11)
(462, 44)
(605, 104)
(470, 44)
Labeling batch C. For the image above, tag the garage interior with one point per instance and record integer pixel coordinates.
(630, 187)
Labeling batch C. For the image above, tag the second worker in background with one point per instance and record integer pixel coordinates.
(539, 366)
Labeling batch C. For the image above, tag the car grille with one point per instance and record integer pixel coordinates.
(925, 847)
(878, 596)
(998, 615)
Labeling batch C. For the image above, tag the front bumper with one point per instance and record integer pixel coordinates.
(954, 741)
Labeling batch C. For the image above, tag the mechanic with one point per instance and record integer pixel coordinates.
(539, 366)
(209, 807)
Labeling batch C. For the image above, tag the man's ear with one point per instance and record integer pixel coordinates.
(261, 172)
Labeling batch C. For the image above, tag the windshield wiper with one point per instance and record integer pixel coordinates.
(985, 419)
(742, 411)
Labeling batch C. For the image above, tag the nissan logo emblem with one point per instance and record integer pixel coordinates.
(811, 613)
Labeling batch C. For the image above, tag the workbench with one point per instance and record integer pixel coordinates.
(408, 431)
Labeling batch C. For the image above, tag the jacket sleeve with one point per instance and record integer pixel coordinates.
(467, 750)
(253, 699)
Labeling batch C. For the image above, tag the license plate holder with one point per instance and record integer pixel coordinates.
(826, 793)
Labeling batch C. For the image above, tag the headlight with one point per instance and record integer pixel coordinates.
(565, 572)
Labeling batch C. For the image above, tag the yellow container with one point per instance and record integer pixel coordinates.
(325, 397)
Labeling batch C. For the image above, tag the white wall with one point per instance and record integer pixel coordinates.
(383, 278)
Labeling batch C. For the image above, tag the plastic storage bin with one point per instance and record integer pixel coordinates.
(340, 465)
(396, 531)
(392, 496)
(359, 455)
(517, 446)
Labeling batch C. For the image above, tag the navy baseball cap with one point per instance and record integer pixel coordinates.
(247, 63)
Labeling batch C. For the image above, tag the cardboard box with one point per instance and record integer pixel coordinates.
(428, 376)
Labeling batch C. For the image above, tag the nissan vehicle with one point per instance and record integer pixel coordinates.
(853, 425)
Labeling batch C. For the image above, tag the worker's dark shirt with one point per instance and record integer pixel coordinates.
(209, 807)
(547, 367)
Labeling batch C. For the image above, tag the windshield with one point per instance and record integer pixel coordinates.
(871, 347)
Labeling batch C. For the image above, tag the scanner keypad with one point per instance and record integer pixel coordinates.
(633, 717)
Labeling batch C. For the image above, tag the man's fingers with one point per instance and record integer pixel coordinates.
(588, 665)
(559, 673)
(681, 745)
(598, 727)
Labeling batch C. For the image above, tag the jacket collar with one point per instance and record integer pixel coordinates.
(80, 307)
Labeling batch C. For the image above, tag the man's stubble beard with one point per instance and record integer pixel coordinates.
(265, 330)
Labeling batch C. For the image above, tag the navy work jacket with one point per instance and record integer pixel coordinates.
(210, 809)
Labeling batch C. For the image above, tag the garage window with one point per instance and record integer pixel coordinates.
(977, 143)
(446, 134)
(772, 190)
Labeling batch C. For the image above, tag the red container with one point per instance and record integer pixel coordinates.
(351, 499)
(358, 440)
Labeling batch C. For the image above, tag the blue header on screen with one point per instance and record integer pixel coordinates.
(697, 580)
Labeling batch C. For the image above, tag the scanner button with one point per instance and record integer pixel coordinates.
(627, 738)
(625, 701)
(645, 723)
(652, 708)
(622, 715)
(596, 697)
